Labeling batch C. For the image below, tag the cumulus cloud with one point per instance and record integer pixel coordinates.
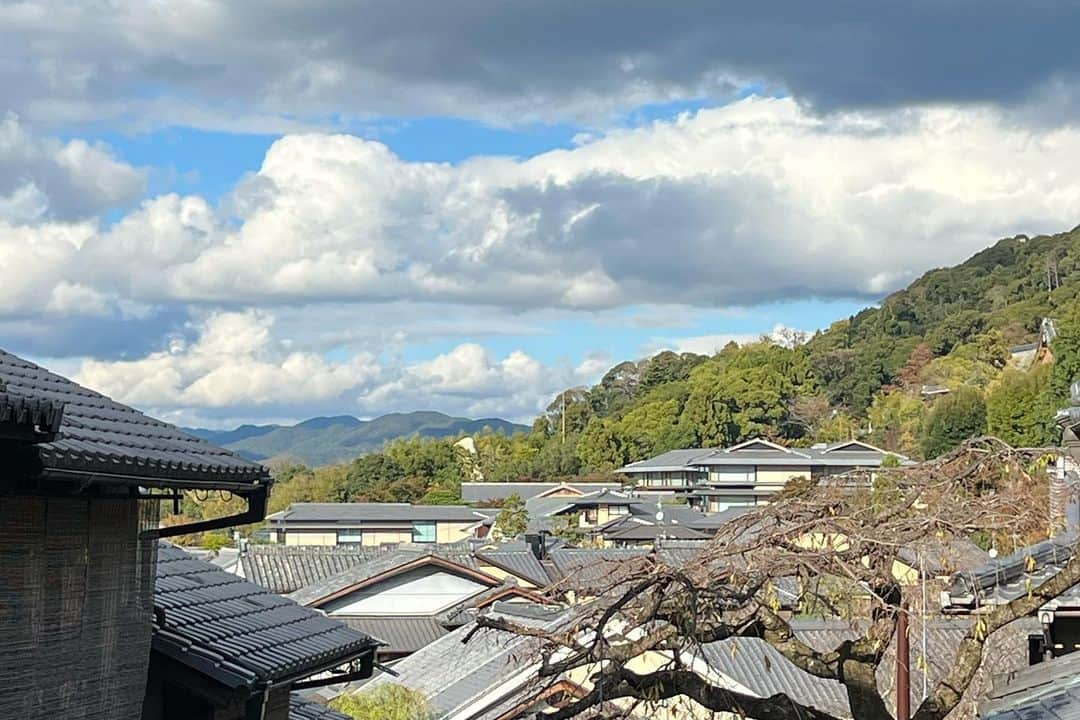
(237, 367)
(232, 362)
(253, 61)
(45, 178)
(712, 344)
(709, 210)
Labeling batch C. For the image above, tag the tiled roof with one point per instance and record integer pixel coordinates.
(301, 709)
(240, 633)
(455, 675)
(764, 671)
(287, 568)
(1046, 691)
(588, 570)
(515, 558)
(344, 513)
(1006, 578)
(98, 435)
(472, 492)
(944, 558)
(401, 634)
(671, 461)
(637, 531)
(677, 553)
(28, 419)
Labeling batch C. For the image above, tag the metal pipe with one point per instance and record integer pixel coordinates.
(256, 511)
(903, 667)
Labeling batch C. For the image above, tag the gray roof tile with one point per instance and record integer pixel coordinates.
(99, 435)
(401, 633)
(245, 632)
(1047, 691)
(1006, 578)
(454, 675)
(287, 568)
(515, 558)
(761, 669)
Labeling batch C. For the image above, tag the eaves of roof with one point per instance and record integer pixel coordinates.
(99, 441)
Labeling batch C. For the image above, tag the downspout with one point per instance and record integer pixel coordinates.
(255, 707)
(256, 512)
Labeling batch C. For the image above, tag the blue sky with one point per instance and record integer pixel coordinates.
(250, 212)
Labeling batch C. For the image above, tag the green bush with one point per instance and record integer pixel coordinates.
(384, 702)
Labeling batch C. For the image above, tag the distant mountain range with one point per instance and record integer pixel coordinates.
(326, 440)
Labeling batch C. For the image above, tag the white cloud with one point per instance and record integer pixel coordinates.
(236, 367)
(234, 362)
(712, 344)
(42, 176)
(754, 202)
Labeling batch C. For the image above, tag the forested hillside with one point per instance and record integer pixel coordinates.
(325, 440)
(862, 377)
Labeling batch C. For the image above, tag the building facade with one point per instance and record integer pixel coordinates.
(749, 473)
(374, 524)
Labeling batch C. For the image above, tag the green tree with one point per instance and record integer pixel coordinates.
(384, 702)
(513, 520)
(954, 418)
(374, 477)
(896, 421)
(599, 448)
(1016, 408)
(649, 429)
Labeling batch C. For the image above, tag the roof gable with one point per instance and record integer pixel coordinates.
(378, 570)
(853, 446)
(758, 444)
(561, 490)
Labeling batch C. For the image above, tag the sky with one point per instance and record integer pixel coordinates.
(267, 210)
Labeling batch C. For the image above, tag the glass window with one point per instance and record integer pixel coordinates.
(423, 531)
(617, 510)
(346, 537)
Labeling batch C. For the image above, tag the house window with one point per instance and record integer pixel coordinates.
(349, 537)
(423, 531)
(591, 516)
(617, 510)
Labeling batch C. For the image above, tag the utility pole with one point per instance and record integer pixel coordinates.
(562, 416)
(903, 666)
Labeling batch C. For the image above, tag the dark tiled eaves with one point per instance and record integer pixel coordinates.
(1004, 579)
(106, 441)
(28, 419)
(240, 633)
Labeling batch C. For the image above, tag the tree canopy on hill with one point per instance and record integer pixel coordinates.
(861, 378)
